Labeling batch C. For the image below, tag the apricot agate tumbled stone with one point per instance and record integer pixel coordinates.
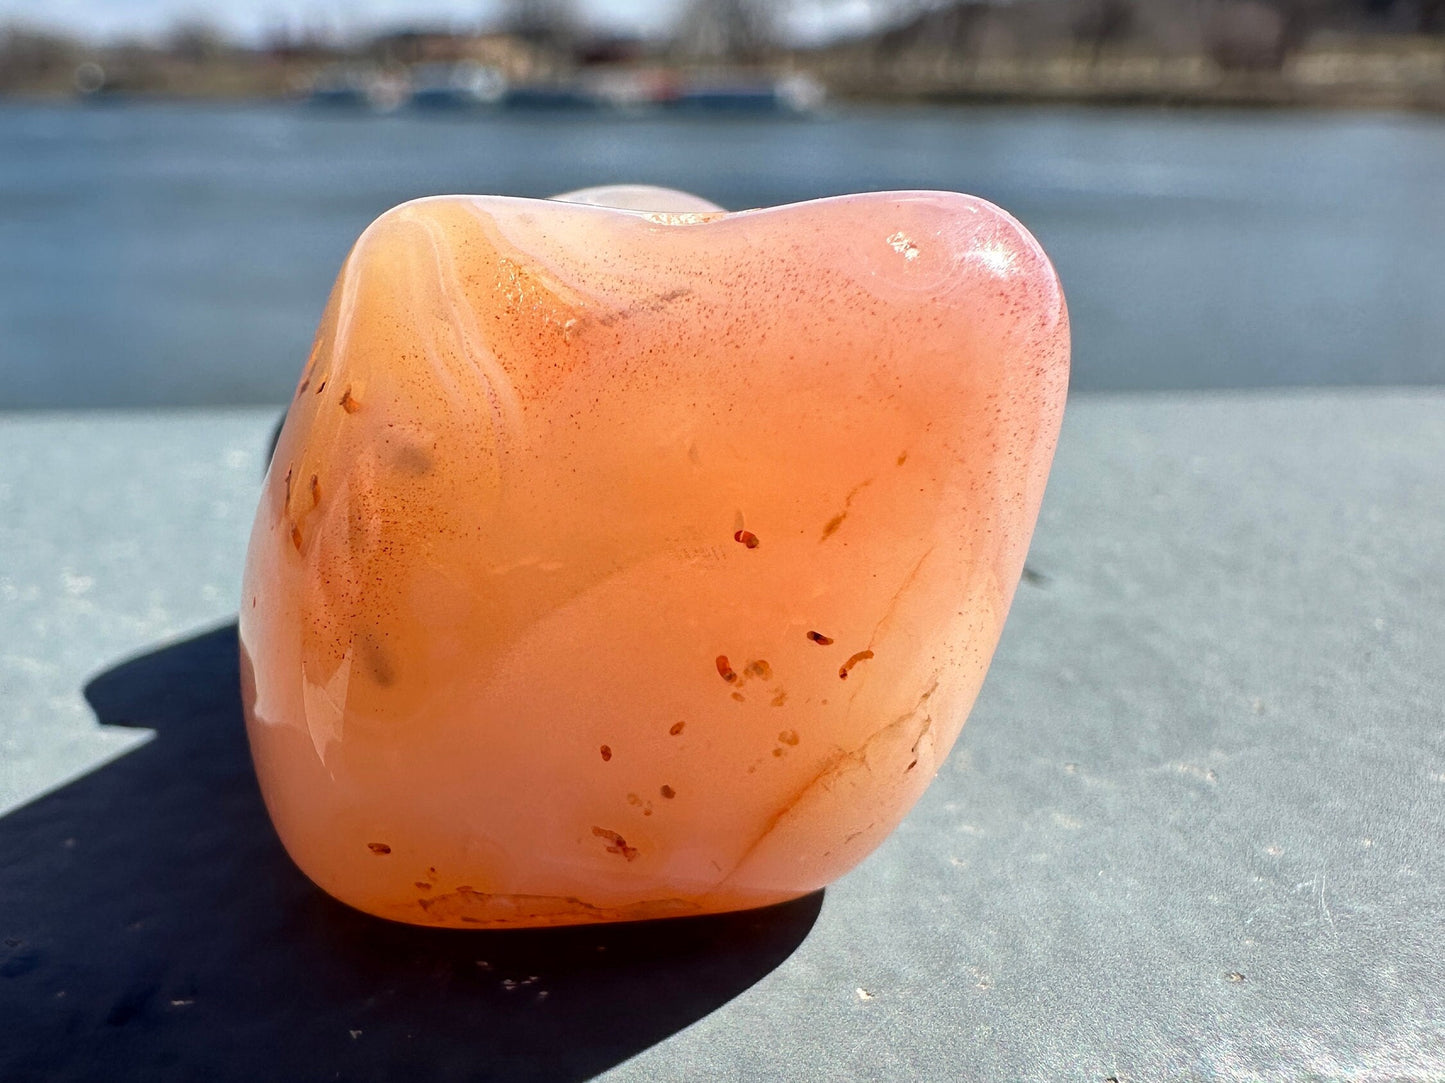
(616, 564)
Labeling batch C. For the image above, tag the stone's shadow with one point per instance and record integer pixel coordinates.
(152, 928)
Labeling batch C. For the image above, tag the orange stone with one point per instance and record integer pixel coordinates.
(619, 564)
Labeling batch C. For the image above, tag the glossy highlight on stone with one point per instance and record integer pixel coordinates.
(626, 563)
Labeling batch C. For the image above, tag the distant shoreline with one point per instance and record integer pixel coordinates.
(1263, 97)
(1395, 73)
(1406, 75)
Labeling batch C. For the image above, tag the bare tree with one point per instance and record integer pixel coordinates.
(1247, 35)
(28, 57)
(547, 23)
(195, 41)
(951, 28)
(1103, 23)
(733, 30)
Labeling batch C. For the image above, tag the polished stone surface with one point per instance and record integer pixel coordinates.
(619, 564)
(1192, 829)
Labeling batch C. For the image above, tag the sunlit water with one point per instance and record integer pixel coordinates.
(167, 254)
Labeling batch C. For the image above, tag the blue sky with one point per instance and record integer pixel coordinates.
(105, 19)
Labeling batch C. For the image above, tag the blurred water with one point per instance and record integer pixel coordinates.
(169, 254)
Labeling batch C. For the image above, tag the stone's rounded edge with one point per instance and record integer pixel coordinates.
(998, 256)
(969, 203)
(1027, 241)
(639, 197)
(643, 199)
(1022, 239)
(673, 207)
(989, 237)
(483, 912)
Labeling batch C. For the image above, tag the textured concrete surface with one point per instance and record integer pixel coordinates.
(117, 531)
(1192, 829)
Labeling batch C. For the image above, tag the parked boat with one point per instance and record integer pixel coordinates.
(455, 86)
(470, 86)
(550, 96)
(795, 94)
(363, 89)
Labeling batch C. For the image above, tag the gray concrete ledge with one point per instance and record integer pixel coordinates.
(1192, 830)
